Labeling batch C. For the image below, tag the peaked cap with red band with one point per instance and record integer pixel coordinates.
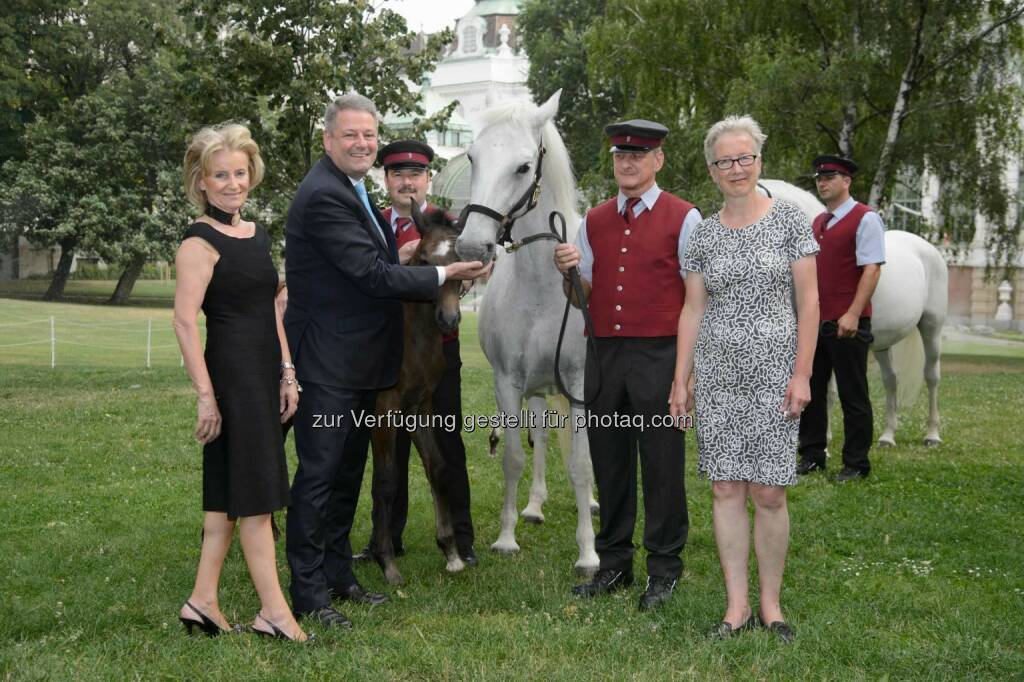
(830, 165)
(406, 154)
(636, 135)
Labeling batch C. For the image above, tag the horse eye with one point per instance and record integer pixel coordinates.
(522, 169)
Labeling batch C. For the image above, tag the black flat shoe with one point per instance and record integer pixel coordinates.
(356, 593)
(205, 624)
(328, 617)
(659, 590)
(278, 633)
(725, 630)
(604, 581)
(848, 474)
(780, 629)
(806, 466)
(468, 556)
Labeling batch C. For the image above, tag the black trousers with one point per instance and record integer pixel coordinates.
(447, 402)
(332, 456)
(848, 358)
(635, 380)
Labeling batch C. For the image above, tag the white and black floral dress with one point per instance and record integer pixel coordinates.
(747, 345)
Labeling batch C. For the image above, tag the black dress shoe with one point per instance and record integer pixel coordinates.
(659, 590)
(468, 556)
(848, 474)
(781, 630)
(329, 617)
(357, 594)
(806, 466)
(725, 630)
(606, 580)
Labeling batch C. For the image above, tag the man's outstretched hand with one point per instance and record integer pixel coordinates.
(466, 270)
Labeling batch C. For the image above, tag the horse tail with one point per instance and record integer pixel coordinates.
(908, 362)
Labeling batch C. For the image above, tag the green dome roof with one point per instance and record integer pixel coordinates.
(485, 8)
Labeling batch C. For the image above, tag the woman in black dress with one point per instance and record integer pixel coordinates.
(245, 381)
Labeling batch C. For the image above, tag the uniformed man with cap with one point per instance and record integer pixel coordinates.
(628, 250)
(852, 240)
(407, 178)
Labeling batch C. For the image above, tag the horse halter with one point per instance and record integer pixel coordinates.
(527, 202)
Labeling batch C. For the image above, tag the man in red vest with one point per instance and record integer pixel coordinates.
(852, 240)
(628, 250)
(407, 177)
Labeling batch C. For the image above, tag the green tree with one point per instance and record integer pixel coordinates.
(907, 88)
(286, 60)
(555, 38)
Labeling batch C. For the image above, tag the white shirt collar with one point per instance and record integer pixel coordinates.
(842, 209)
(395, 216)
(647, 200)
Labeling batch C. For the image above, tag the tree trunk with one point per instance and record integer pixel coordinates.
(127, 281)
(850, 110)
(899, 112)
(55, 292)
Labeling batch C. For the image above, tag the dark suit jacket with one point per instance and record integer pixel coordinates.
(345, 287)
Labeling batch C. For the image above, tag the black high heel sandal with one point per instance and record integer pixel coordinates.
(278, 633)
(206, 624)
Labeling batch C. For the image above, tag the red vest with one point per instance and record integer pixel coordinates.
(410, 233)
(838, 272)
(637, 288)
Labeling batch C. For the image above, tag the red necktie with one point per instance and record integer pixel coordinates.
(627, 212)
(402, 224)
(824, 226)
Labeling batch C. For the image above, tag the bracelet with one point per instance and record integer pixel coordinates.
(287, 365)
(289, 381)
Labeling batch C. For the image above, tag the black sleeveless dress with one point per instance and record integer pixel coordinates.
(244, 469)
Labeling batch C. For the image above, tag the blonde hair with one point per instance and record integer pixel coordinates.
(207, 142)
(743, 125)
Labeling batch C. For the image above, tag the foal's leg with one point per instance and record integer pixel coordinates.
(509, 401)
(433, 466)
(931, 336)
(534, 512)
(383, 493)
(890, 380)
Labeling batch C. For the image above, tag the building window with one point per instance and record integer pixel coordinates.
(469, 40)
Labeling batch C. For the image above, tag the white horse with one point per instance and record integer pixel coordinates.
(522, 308)
(912, 293)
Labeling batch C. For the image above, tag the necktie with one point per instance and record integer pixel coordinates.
(824, 225)
(401, 225)
(361, 191)
(627, 211)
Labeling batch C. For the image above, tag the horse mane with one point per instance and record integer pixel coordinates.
(558, 179)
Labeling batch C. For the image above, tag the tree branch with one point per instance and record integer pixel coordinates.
(971, 43)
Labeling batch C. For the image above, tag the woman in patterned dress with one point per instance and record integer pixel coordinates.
(751, 355)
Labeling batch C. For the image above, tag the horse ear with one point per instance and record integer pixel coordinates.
(417, 217)
(547, 111)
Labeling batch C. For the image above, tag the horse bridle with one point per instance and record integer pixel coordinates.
(527, 202)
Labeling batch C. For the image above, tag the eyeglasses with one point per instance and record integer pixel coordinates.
(726, 164)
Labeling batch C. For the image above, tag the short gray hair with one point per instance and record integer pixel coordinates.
(743, 125)
(350, 100)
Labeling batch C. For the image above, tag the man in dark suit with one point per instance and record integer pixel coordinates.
(344, 325)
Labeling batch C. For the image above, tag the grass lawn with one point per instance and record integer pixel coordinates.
(914, 573)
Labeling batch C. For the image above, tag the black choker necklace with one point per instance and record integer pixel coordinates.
(219, 215)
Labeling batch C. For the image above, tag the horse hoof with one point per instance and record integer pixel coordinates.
(535, 519)
(586, 570)
(595, 509)
(455, 565)
(933, 441)
(394, 578)
(505, 548)
(886, 443)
